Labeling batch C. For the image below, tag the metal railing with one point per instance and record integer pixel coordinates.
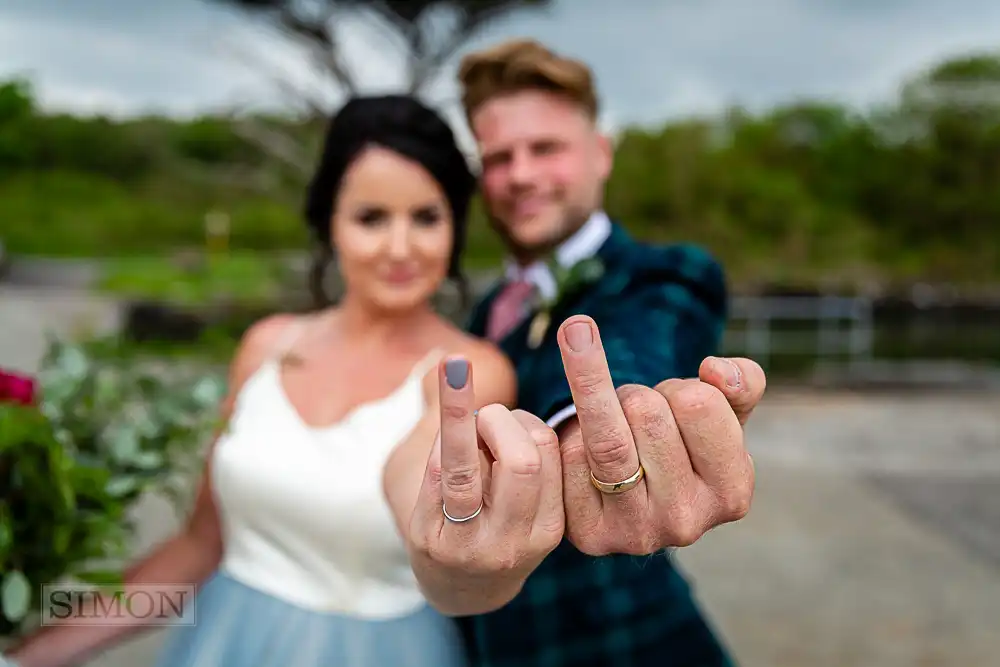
(844, 328)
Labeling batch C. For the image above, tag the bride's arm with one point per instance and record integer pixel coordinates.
(495, 381)
(189, 556)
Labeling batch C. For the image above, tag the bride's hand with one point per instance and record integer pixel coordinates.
(491, 505)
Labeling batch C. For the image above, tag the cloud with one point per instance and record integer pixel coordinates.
(652, 59)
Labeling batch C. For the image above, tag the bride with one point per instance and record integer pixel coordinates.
(295, 540)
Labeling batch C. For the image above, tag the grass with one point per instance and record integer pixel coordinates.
(241, 277)
(215, 348)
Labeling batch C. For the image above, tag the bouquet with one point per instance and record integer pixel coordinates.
(80, 443)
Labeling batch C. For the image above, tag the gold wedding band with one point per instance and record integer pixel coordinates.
(612, 488)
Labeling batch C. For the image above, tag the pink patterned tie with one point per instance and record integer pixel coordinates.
(508, 308)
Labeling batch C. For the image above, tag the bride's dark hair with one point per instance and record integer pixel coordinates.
(403, 125)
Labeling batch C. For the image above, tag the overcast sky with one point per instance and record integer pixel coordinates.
(653, 58)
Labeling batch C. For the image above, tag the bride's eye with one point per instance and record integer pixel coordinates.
(427, 216)
(371, 216)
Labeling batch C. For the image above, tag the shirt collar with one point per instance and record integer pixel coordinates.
(584, 243)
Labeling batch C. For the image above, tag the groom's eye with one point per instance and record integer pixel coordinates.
(546, 147)
(496, 159)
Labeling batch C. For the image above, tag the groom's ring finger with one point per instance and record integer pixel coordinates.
(611, 450)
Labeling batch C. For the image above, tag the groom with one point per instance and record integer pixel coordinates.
(595, 323)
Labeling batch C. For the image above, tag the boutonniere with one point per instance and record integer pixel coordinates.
(569, 282)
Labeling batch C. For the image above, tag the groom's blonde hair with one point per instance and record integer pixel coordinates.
(524, 64)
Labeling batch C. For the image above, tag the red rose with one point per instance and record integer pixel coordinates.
(16, 388)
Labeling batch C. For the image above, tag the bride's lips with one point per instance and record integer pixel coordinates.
(400, 276)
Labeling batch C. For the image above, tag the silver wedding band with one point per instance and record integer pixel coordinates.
(468, 518)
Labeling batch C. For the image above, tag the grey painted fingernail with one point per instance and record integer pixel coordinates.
(456, 372)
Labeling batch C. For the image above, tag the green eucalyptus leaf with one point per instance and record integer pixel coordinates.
(145, 423)
(73, 361)
(207, 392)
(571, 279)
(122, 486)
(104, 432)
(6, 534)
(150, 460)
(61, 537)
(15, 595)
(124, 443)
(101, 577)
(107, 389)
(590, 270)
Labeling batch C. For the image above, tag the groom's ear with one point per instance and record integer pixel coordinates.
(606, 154)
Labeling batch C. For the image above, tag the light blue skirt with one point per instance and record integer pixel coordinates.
(238, 626)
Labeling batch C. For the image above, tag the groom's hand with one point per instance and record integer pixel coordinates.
(491, 504)
(668, 462)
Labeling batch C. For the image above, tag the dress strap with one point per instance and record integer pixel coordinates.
(428, 361)
(289, 337)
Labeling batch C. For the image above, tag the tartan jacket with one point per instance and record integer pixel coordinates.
(660, 311)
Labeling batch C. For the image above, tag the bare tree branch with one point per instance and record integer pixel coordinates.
(274, 143)
(321, 39)
(312, 102)
(407, 21)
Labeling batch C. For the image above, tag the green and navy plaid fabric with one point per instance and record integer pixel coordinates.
(660, 310)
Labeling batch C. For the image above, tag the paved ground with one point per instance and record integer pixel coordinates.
(874, 540)
(27, 316)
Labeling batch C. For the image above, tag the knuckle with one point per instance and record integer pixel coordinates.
(528, 465)
(640, 543)
(671, 386)
(453, 412)
(462, 480)
(650, 543)
(449, 557)
(506, 560)
(549, 531)
(609, 448)
(526, 419)
(596, 547)
(420, 544)
(492, 411)
(588, 537)
(573, 452)
(644, 543)
(684, 529)
(736, 503)
(630, 392)
(544, 437)
(589, 382)
(697, 400)
(640, 405)
(435, 474)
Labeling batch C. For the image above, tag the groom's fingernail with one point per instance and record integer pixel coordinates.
(579, 336)
(456, 372)
(731, 372)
